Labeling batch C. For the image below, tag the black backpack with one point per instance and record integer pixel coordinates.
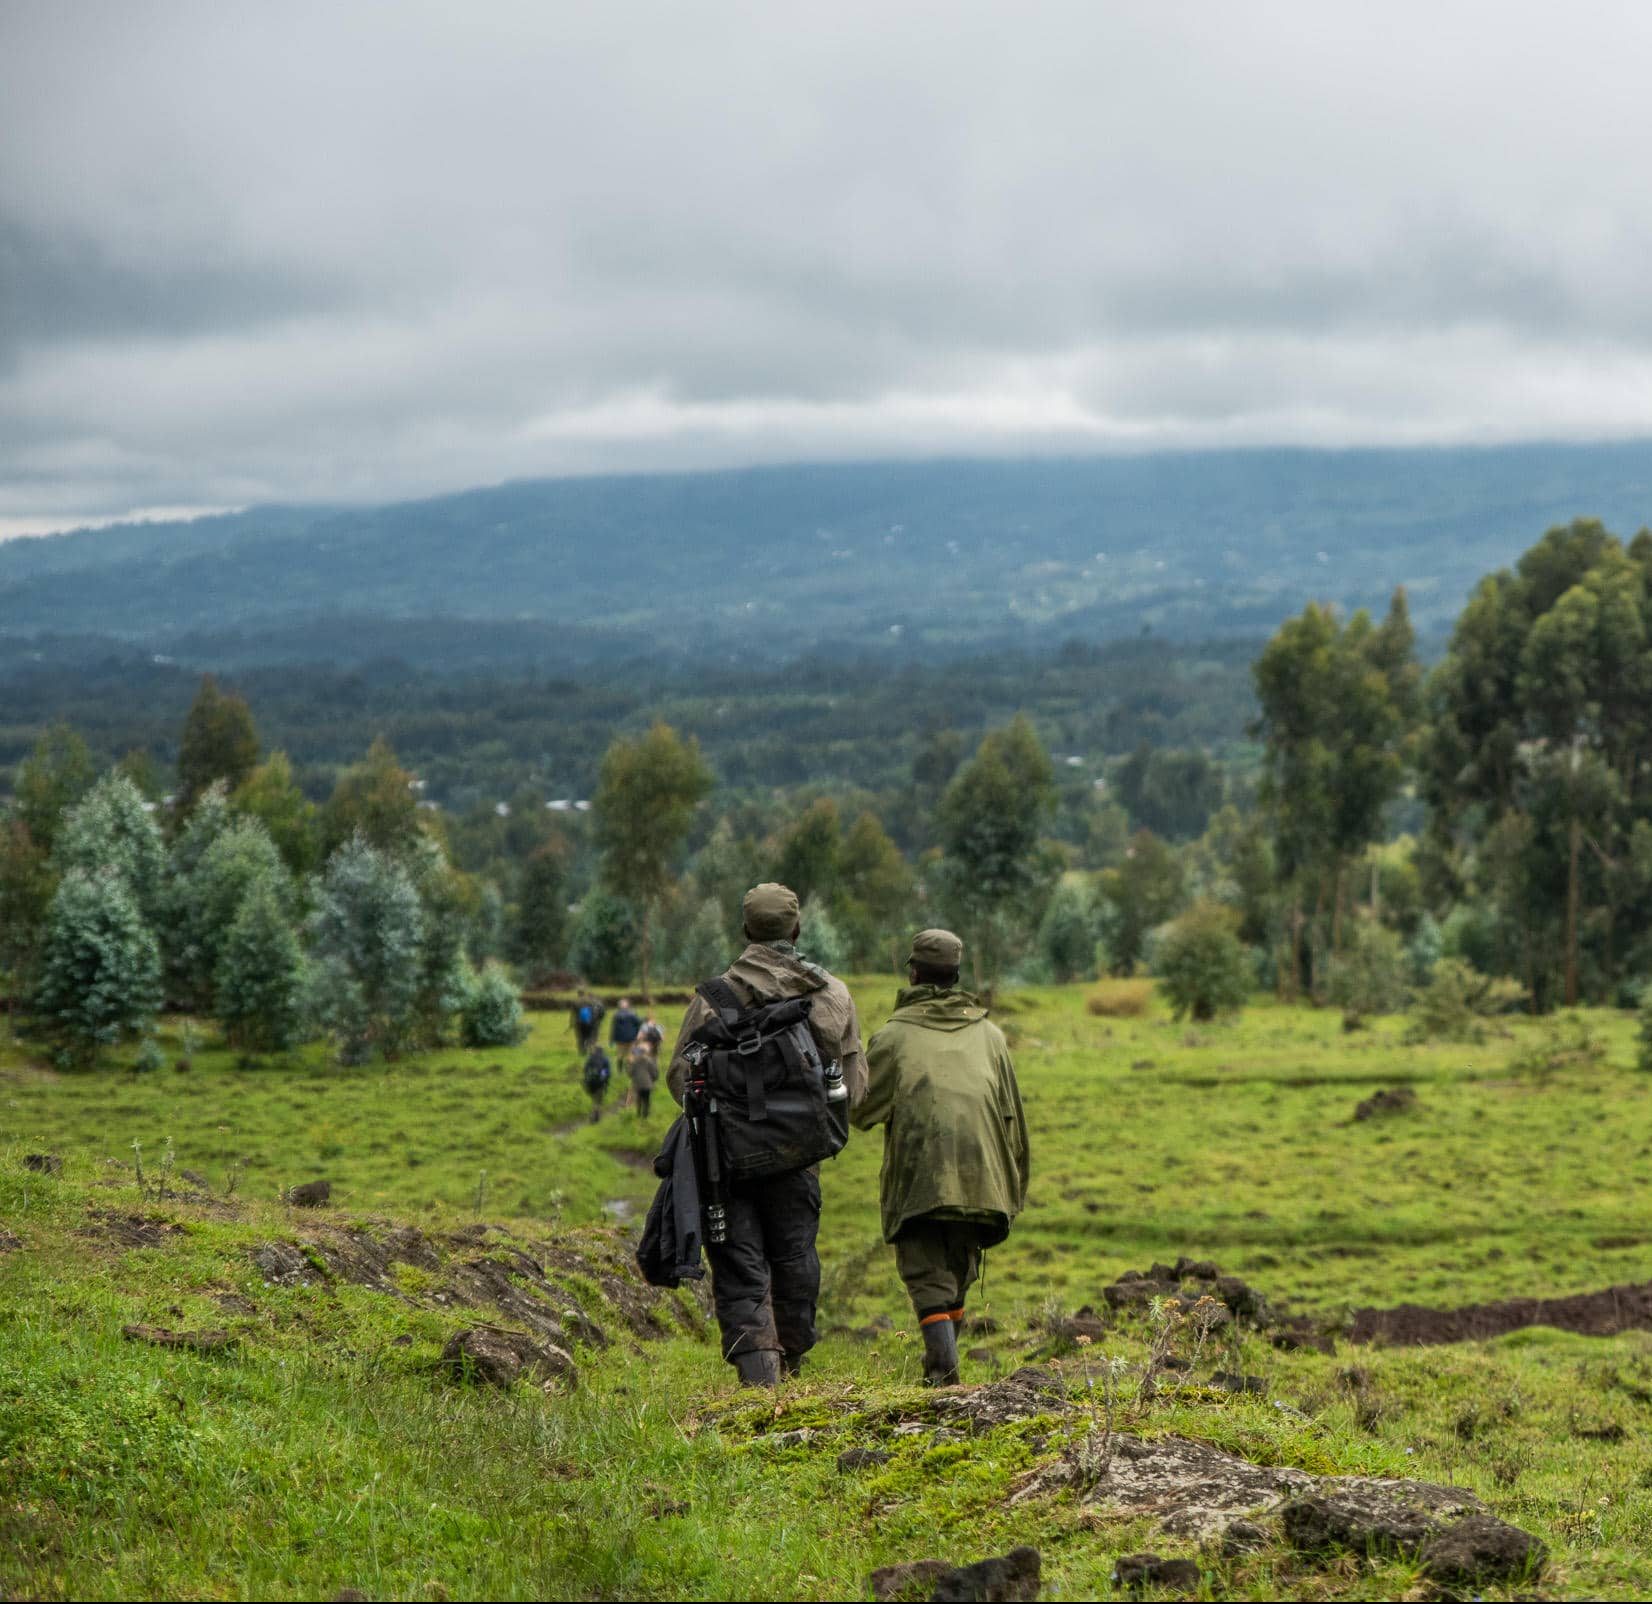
(758, 1077)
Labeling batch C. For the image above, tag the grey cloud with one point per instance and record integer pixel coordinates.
(347, 250)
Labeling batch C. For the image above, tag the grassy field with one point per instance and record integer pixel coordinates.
(321, 1452)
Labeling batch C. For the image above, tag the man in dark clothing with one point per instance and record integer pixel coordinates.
(766, 1274)
(955, 1156)
(597, 1073)
(624, 1027)
(586, 1018)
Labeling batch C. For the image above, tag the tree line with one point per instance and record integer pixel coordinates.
(1495, 812)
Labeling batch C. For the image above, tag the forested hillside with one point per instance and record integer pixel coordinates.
(909, 560)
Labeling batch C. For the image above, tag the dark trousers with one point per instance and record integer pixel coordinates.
(643, 1094)
(939, 1260)
(765, 1279)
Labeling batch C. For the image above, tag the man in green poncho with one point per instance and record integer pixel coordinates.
(955, 1158)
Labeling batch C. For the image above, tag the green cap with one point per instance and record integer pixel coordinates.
(936, 949)
(769, 912)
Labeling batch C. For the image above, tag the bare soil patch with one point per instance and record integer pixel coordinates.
(1590, 1314)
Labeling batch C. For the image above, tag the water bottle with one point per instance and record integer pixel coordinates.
(836, 1091)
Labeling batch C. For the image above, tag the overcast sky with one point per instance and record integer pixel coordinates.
(257, 252)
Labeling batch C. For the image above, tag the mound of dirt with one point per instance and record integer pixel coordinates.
(1591, 1314)
(1011, 1578)
(499, 1358)
(1401, 1100)
(1184, 1283)
(131, 1230)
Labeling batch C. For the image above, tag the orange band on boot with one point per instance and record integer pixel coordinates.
(935, 1319)
(955, 1314)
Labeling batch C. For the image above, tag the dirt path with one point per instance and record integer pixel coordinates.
(1591, 1314)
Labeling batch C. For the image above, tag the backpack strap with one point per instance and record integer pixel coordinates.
(722, 999)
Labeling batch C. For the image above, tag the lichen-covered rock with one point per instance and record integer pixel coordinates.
(1481, 1548)
(500, 1358)
(1373, 1515)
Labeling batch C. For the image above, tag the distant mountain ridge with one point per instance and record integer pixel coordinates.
(915, 560)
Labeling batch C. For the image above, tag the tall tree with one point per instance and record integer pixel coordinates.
(646, 797)
(112, 828)
(994, 875)
(50, 780)
(26, 886)
(539, 935)
(219, 742)
(1541, 713)
(100, 974)
(1338, 704)
(271, 794)
(374, 799)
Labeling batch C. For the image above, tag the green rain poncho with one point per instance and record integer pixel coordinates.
(955, 1138)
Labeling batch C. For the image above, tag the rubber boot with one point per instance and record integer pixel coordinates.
(940, 1353)
(791, 1365)
(758, 1368)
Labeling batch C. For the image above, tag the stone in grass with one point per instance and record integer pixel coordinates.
(311, 1195)
(1373, 1515)
(194, 1341)
(1481, 1548)
(43, 1163)
(861, 1459)
(1006, 1579)
(1140, 1571)
(914, 1580)
(499, 1358)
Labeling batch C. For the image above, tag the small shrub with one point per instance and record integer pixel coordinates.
(1120, 999)
(491, 1014)
(1457, 1002)
(1369, 975)
(1202, 962)
(1565, 1042)
(149, 1057)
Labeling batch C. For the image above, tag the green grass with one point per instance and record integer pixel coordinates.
(323, 1452)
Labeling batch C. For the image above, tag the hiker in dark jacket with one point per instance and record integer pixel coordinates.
(955, 1156)
(598, 1070)
(624, 1027)
(586, 1018)
(766, 1274)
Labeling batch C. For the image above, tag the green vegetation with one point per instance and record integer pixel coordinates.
(323, 1452)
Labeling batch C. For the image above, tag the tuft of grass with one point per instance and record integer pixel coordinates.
(1120, 999)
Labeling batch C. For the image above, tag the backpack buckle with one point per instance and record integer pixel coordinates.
(748, 1045)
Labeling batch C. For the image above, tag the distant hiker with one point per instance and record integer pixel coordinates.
(651, 1036)
(955, 1156)
(598, 1071)
(645, 1071)
(586, 1018)
(777, 1100)
(623, 1028)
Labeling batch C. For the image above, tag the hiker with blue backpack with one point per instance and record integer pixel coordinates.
(586, 1018)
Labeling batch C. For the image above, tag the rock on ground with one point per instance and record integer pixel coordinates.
(914, 1580)
(311, 1195)
(1008, 1579)
(1401, 1100)
(499, 1358)
(1148, 1570)
(195, 1341)
(1481, 1548)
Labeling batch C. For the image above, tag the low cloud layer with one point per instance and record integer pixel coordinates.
(327, 252)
